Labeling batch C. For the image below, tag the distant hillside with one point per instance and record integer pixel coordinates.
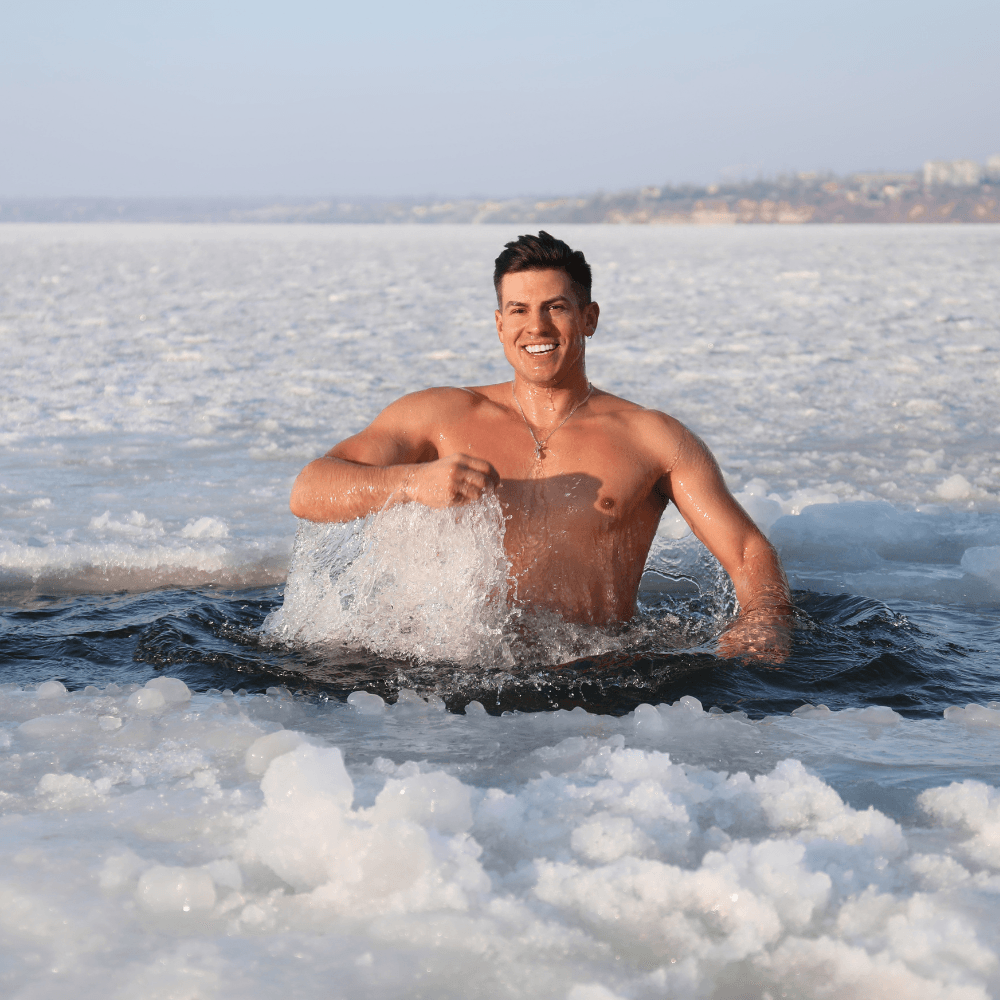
(805, 198)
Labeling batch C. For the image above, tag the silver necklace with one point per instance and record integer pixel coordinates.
(540, 445)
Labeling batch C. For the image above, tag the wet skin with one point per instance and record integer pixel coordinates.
(582, 492)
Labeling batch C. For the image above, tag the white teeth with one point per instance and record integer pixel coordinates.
(540, 348)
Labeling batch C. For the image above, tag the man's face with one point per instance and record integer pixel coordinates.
(542, 326)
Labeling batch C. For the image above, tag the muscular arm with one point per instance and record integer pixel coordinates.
(696, 486)
(393, 460)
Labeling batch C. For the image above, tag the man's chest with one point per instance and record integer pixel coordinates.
(585, 477)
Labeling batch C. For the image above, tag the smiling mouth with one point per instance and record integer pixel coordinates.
(540, 348)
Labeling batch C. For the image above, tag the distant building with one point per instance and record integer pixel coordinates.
(952, 173)
(887, 184)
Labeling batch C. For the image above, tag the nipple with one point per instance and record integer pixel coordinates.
(607, 503)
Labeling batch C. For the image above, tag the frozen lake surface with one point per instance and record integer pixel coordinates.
(607, 835)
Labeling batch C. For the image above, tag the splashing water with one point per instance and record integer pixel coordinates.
(407, 583)
(411, 583)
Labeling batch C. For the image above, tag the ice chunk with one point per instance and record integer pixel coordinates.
(51, 689)
(860, 535)
(307, 792)
(437, 800)
(763, 511)
(747, 897)
(173, 689)
(408, 852)
(68, 791)
(365, 703)
(974, 715)
(146, 699)
(205, 527)
(793, 799)
(647, 718)
(672, 525)
(756, 487)
(955, 487)
(974, 806)
(262, 751)
(137, 525)
(880, 715)
(812, 712)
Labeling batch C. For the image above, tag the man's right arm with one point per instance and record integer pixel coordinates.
(393, 460)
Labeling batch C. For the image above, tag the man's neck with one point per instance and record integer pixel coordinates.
(547, 404)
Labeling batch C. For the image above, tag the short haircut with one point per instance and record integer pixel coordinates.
(543, 253)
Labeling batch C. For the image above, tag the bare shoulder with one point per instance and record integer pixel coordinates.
(660, 433)
(433, 405)
(405, 431)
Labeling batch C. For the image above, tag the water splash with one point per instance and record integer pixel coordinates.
(409, 583)
(431, 586)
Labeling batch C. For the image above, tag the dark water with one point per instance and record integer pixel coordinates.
(848, 652)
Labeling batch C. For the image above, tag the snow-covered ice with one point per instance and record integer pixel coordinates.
(265, 846)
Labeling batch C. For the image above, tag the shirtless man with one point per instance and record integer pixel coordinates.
(582, 476)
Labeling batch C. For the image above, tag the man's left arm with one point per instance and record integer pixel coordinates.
(695, 485)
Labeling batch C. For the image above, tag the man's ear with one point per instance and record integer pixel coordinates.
(591, 314)
(498, 316)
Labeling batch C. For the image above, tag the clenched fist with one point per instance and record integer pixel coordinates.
(450, 481)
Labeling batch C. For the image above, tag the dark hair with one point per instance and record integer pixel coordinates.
(542, 253)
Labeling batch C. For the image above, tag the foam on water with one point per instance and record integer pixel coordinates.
(159, 844)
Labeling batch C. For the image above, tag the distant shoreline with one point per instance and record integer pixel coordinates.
(803, 200)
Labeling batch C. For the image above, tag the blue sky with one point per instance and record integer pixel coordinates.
(302, 99)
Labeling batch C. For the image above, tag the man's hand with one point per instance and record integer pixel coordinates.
(760, 636)
(450, 481)
(395, 459)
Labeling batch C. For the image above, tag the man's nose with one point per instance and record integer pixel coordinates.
(539, 320)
